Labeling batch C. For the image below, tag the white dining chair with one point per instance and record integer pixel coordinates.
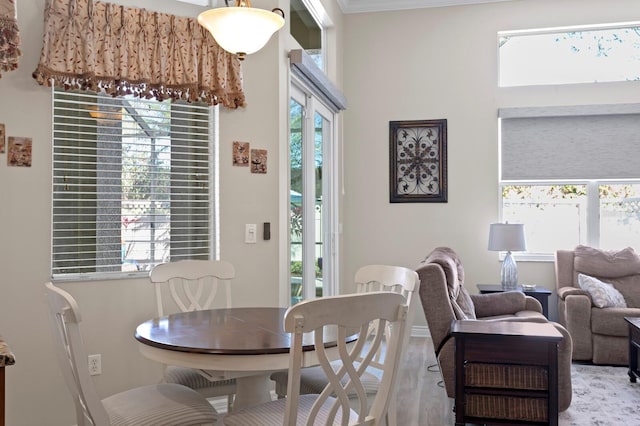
(192, 285)
(367, 279)
(158, 405)
(332, 406)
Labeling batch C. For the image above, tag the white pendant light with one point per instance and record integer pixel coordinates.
(241, 29)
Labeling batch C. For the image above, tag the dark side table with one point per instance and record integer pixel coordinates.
(634, 344)
(506, 373)
(539, 293)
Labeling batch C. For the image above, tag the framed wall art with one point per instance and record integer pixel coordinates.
(241, 154)
(259, 161)
(418, 161)
(19, 152)
(2, 137)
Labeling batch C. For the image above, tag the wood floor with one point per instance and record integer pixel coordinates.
(422, 401)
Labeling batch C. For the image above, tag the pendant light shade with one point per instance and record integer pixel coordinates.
(241, 29)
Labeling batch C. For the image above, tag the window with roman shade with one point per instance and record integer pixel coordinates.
(571, 175)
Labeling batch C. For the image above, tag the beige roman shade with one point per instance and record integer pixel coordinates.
(562, 143)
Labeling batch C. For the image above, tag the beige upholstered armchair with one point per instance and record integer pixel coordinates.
(593, 315)
(444, 299)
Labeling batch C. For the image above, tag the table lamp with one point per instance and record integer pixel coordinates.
(507, 237)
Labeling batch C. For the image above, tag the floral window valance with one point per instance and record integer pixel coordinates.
(9, 36)
(123, 50)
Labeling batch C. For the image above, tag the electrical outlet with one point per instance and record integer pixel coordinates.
(95, 364)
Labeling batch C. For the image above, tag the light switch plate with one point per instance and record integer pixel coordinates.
(250, 231)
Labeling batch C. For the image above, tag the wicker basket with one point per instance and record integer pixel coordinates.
(506, 376)
(507, 407)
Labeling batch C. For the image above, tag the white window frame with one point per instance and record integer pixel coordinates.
(320, 15)
(593, 212)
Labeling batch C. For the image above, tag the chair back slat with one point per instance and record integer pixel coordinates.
(338, 317)
(387, 278)
(192, 284)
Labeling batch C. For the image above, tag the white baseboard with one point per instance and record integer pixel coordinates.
(420, 331)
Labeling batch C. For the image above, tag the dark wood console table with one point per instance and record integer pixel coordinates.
(506, 373)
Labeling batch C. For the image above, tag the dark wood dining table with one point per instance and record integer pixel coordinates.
(247, 344)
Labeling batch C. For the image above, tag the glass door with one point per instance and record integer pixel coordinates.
(311, 195)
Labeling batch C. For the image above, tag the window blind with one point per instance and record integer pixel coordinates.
(560, 143)
(132, 183)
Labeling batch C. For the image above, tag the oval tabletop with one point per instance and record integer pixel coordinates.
(233, 331)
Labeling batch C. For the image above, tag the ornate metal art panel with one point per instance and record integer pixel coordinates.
(418, 161)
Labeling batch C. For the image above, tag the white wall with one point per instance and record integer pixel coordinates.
(430, 63)
(112, 309)
(442, 63)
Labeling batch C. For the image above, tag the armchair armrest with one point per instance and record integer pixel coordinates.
(532, 304)
(577, 314)
(563, 292)
(510, 302)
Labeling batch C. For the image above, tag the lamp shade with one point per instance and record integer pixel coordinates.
(507, 237)
(240, 29)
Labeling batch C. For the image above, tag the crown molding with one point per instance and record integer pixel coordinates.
(360, 6)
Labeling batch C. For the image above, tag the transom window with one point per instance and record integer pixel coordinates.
(570, 55)
(307, 22)
(132, 183)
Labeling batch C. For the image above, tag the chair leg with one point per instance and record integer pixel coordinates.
(229, 403)
(392, 413)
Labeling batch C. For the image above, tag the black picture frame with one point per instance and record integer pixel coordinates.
(418, 161)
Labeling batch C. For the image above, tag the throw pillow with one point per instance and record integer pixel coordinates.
(606, 263)
(604, 295)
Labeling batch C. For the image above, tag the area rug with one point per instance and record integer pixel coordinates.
(602, 396)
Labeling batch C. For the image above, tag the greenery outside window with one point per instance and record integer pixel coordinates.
(563, 215)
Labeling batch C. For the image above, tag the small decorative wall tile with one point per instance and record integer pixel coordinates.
(241, 154)
(259, 161)
(19, 152)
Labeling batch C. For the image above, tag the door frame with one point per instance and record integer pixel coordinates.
(331, 267)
